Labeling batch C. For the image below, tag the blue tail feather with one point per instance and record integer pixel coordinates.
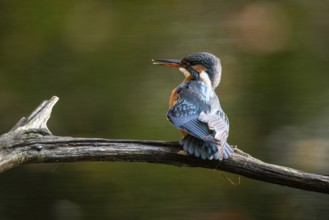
(206, 150)
(197, 150)
(203, 151)
(191, 146)
(185, 142)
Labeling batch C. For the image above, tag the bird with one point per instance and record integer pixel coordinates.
(194, 107)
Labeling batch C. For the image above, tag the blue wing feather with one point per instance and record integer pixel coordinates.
(184, 115)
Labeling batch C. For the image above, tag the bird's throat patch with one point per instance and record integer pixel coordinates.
(205, 78)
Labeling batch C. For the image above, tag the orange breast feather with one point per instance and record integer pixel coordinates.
(173, 98)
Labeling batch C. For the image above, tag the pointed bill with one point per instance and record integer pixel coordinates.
(168, 62)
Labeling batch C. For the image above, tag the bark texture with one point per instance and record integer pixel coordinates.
(30, 141)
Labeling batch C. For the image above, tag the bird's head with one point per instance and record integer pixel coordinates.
(199, 66)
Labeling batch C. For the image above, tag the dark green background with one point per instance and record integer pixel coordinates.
(96, 57)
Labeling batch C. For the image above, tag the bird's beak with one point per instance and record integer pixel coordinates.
(168, 62)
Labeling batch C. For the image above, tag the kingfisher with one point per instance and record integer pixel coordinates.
(194, 107)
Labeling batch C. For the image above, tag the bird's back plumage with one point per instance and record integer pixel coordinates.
(198, 113)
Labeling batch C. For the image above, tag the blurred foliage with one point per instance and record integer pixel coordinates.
(96, 56)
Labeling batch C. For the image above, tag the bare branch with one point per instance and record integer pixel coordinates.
(30, 141)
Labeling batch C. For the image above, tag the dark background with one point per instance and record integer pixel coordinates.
(96, 57)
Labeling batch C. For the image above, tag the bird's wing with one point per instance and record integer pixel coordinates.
(217, 122)
(211, 128)
(184, 114)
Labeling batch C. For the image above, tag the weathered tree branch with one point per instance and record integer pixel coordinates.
(30, 141)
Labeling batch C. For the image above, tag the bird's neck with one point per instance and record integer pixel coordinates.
(204, 77)
(188, 78)
(202, 80)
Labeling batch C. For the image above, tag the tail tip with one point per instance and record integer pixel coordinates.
(204, 150)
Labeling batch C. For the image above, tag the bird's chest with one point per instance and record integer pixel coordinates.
(175, 93)
(173, 97)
